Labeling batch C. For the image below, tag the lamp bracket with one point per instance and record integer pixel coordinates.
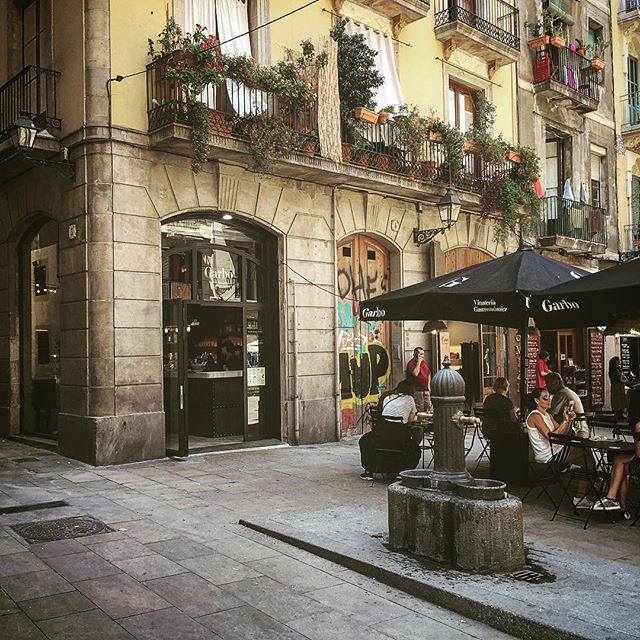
(423, 236)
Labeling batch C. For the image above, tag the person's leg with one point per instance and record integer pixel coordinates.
(619, 476)
(367, 453)
(586, 462)
(417, 434)
(427, 401)
(418, 396)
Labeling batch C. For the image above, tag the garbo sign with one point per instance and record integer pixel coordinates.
(561, 305)
(373, 313)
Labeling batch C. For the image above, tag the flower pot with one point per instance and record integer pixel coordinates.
(362, 113)
(557, 41)
(597, 64)
(581, 51)
(471, 146)
(513, 156)
(347, 152)
(361, 158)
(394, 165)
(429, 168)
(434, 136)
(412, 172)
(540, 41)
(382, 117)
(309, 147)
(380, 162)
(219, 123)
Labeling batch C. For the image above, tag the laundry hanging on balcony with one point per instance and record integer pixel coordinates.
(538, 188)
(583, 193)
(567, 191)
(390, 92)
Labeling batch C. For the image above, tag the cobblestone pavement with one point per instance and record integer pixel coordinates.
(177, 564)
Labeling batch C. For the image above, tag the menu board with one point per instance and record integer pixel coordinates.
(625, 354)
(596, 358)
(533, 349)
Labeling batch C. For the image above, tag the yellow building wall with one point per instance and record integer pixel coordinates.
(68, 58)
(132, 23)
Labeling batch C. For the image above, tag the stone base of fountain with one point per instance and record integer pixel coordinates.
(474, 525)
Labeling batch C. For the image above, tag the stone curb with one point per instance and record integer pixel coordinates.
(519, 624)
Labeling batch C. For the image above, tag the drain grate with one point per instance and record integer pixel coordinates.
(34, 507)
(531, 576)
(61, 529)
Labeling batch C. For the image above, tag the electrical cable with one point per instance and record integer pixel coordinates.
(332, 293)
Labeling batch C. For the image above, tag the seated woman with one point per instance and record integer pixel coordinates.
(623, 464)
(499, 413)
(540, 423)
(398, 404)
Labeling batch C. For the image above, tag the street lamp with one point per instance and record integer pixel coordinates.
(23, 133)
(448, 210)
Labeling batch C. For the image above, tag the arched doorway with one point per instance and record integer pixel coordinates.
(221, 364)
(363, 347)
(39, 305)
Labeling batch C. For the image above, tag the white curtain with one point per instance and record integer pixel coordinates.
(202, 12)
(390, 92)
(233, 19)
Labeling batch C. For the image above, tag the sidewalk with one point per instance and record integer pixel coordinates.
(178, 565)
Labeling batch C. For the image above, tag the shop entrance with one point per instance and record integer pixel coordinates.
(220, 337)
(567, 356)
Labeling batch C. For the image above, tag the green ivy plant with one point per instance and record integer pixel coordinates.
(490, 149)
(411, 129)
(453, 146)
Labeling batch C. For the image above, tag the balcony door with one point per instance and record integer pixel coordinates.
(36, 34)
(633, 117)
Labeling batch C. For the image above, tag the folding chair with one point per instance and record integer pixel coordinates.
(485, 443)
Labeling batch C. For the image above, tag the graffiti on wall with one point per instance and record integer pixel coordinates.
(363, 355)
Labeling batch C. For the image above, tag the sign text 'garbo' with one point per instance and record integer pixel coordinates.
(373, 313)
(560, 305)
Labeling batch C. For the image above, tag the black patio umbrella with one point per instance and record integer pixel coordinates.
(599, 299)
(495, 292)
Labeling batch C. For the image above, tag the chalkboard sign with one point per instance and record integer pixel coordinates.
(533, 349)
(625, 354)
(596, 358)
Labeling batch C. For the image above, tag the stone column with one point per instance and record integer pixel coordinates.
(447, 395)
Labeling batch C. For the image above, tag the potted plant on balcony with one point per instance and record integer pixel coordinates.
(478, 138)
(309, 137)
(538, 38)
(558, 39)
(596, 51)
(194, 62)
(581, 48)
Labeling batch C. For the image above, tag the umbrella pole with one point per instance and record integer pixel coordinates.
(524, 348)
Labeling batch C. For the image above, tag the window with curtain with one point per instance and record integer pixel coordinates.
(390, 92)
(462, 111)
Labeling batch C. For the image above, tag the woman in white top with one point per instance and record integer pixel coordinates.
(400, 403)
(540, 423)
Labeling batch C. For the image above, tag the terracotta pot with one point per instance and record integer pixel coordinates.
(309, 147)
(362, 158)
(557, 41)
(597, 64)
(347, 152)
(382, 117)
(411, 172)
(581, 51)
(435, 136)
(219, 123)
(540, 41)
(380, 162)
(362, 113)
(470, 145)
(429, 168)
(513, 156)
(394, 165)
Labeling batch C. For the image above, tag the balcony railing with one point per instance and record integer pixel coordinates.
(627, 6)
(631, 108)
(228, 105)
(494, 18)
(567, 68)
(571, 219)
(33, 91)
(378, 146)
(632, 235)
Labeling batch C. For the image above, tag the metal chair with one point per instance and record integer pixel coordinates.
(392, 447)
(544, 476)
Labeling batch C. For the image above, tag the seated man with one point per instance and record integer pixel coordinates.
(398, 404)
(499, 413)
(561, 398)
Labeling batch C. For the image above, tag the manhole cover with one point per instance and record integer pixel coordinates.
(61, 529)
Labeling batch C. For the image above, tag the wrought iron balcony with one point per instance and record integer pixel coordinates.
(488, 29)
(570, 224)
(629, 11)
(631, 121)
(32, 92)
(379, 147)
(631, 241)
(563, 75)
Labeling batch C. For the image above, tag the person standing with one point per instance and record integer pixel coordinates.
(419, 375)
(499, 413)
(618, 393)
(542, 369)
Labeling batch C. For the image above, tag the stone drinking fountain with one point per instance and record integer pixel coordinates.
(443, 513)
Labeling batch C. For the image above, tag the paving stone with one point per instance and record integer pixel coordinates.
(336, 626)
(10, 546)
(82, 566)
(121, 595)
(17, 626)
(145, 530)
(34, 585)
(149, 567)
(192, 594)
(180, 549)
(24, 562)
(167, 624)
(412, 627)
(358, 603)
(89, 541)
(219, 569)
(120, 549)
(56, 548)
(60, 604)
(293, 573)
(88, 625)
(247, 623)
(7, 605)
(242, 549)
(274, 599)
